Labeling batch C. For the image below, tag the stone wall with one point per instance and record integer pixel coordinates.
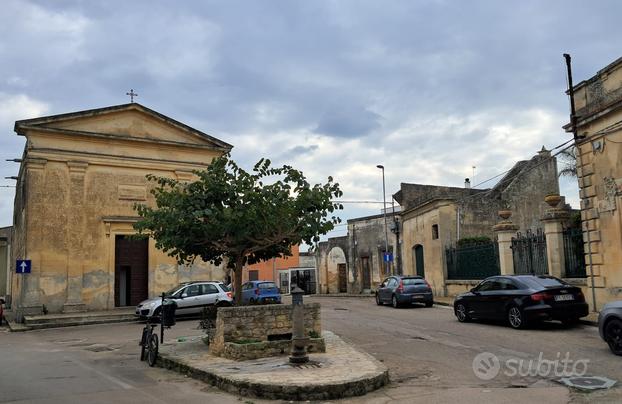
(367, 241)
(331, 253)
(5, 259)
(260, 323)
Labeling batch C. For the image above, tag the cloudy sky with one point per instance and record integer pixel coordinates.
(427, 88)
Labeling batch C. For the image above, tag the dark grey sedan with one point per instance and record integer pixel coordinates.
(610, 326)
(402, 290)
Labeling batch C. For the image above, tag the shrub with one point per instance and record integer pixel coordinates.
(474, 240)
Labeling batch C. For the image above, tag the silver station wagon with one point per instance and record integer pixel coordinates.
(190, 298)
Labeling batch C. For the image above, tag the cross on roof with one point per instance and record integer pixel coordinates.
(132, 94)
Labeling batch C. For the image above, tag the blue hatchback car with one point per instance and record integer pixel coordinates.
(260, 292)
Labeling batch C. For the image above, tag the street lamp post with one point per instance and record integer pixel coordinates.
(384, 212)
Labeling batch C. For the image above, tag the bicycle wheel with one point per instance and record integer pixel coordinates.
(152, 353)
(143, 343)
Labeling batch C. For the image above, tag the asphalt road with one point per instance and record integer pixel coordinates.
(428, 353)
(94, 364)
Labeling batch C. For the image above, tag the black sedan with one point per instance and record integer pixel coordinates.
(610, 326)
(522, 299)
(404, 290)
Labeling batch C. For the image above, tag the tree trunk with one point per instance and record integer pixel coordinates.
(237, 281)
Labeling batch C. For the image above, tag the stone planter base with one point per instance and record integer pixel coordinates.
(264, 349)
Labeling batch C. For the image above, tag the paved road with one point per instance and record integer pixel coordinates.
(428, 353)
(94, 364)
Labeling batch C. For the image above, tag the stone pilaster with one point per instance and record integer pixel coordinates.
(553, 231)
(75, 231)
(505, 230)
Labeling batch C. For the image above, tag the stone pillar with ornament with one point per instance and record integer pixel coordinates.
(505, 230)
(553, 219)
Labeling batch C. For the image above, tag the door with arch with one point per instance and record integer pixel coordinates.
(418, 260)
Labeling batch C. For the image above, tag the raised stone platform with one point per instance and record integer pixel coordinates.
(342, 371)
(73, 319)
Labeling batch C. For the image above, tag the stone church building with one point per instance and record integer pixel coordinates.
(80, 176)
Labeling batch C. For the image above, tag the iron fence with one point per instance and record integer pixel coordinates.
(529, 253)
(574, 257)
(475, 261)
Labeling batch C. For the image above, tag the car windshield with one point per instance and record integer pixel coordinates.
(173, 290)
(544, 282)
(224, 287)
(413, 281)
(266, 285)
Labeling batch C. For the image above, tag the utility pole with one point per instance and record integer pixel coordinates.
(384, 213)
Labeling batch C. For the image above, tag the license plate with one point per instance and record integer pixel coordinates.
(418, 296)
(563, 298)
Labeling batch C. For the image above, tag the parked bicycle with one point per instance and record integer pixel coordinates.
(149, 344)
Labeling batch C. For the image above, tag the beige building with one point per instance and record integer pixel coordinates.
(80, 176)
(434, 218)
(5, 259)
(598, 102)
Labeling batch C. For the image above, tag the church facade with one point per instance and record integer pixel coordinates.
(81, 175)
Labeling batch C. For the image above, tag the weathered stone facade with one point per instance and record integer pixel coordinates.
(367, 246)
(598, 102)
(5, 265)
(80, 176)
(331, 255)
(433, 218)
(238, 327)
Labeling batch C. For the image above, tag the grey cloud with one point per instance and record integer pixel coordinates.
(348, 121)
(300, 150)
(240, 67)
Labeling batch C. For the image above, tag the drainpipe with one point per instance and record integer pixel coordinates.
(353, 267)
(398, 251)
(458, 223)
(573, 122)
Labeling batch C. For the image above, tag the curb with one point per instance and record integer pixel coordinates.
(298, 392)
(589, 322)
(17, 327)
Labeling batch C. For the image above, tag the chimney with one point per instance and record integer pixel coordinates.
(467, 183)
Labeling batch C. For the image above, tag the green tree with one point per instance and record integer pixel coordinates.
(233, 216)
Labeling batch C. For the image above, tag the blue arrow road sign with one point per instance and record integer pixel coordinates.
(22, 266)
(388, 257)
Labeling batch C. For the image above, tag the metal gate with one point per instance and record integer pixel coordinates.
(529, 253)
(475, 261)
(574, 257)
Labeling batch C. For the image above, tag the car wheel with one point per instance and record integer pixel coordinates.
(516, 318)
(394, 302)
(156, 313)
(462, 314)
(378, 301)
(429, 304)
(613, 336)
(251, 301)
